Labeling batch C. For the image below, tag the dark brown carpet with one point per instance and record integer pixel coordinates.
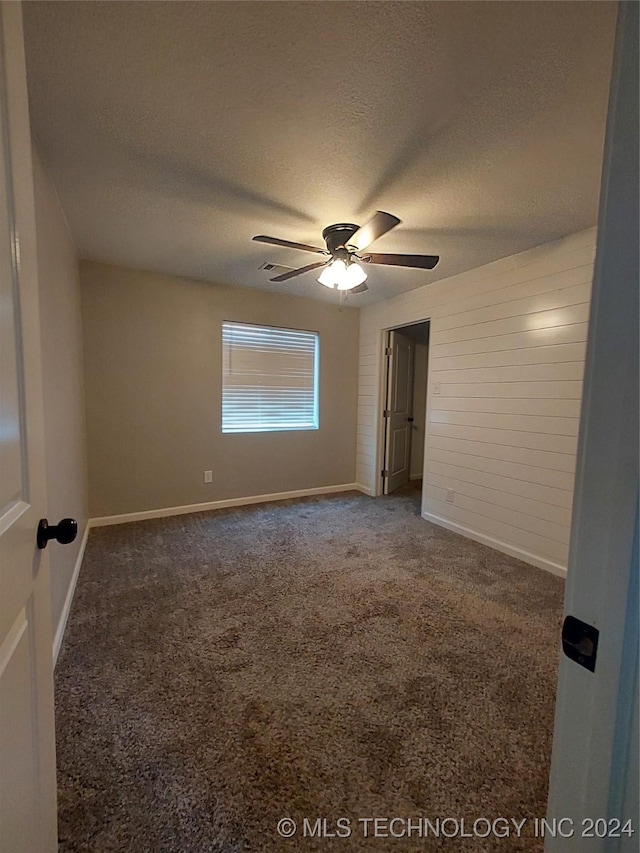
(325, 658)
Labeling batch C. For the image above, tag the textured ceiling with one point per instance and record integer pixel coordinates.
(176, 131)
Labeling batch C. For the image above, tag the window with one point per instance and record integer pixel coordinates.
(269, 379)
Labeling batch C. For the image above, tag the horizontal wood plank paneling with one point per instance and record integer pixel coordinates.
(556, 552)
(507, 438)
(511, 406)
(519, 520)
(513, 470)
(519, 323)
(508, 453)
(531, 287)
(518, 390)
(563, 298)
(503, 404)
(538, 509)
(562, 371)
(573, 333)
(527, 355)
(524, 423)
(509, 485)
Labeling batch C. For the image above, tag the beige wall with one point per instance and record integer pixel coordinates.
(506, 362)
(62, 371)
(153, 380)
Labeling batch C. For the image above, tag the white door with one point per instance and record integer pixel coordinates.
(27, 746)
(594, 768)
(398, 413)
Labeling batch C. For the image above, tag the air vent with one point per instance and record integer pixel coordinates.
(276, 269)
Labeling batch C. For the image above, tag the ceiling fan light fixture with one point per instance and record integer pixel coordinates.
(343, 241)
(353, 276)
(333, 274)
(326, 277)
(342, 276)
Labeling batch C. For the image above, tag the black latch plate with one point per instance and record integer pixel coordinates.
(580, 642)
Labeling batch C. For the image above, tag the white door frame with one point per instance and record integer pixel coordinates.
(382, 398)
(593, 758)
(389, 415)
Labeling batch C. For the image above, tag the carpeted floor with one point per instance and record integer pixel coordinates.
(328, 658)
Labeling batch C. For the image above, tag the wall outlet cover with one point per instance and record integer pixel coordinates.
(450, 495)
(208, 476)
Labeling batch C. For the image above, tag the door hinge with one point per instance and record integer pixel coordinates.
(388, 351)
(386, 413)
(384, 473)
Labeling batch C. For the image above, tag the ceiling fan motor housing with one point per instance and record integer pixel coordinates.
(337, 237)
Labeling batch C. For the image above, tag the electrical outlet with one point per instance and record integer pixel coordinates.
(208, 476)
(437, 388)
(450, 495)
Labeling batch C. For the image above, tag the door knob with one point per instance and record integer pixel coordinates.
(410, 420)
(64, 532)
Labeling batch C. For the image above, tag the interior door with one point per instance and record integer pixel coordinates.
(27, 745)
(398, 414)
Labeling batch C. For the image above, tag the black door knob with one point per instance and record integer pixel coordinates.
(64, 532)
(410, 420)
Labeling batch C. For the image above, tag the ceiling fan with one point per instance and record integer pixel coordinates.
(345, 247)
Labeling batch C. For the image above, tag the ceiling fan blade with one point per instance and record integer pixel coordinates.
(287, 275)
(378, 225)
(421, 262)
(361, 288)
(275, 241)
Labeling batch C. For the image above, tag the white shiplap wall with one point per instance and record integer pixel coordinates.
(503, 400)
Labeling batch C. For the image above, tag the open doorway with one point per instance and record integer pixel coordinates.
(407, 362)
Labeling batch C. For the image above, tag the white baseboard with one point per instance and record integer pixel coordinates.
(62, 622)
(231, 502)
(365, 490)
(498, 545)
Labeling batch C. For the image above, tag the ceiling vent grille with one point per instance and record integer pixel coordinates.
(276, 269)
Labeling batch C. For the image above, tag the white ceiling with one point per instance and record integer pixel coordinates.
(175, 131)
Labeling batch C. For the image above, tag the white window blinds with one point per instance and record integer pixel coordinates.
(269, 379)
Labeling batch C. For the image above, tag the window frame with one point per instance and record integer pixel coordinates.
(316, 380)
